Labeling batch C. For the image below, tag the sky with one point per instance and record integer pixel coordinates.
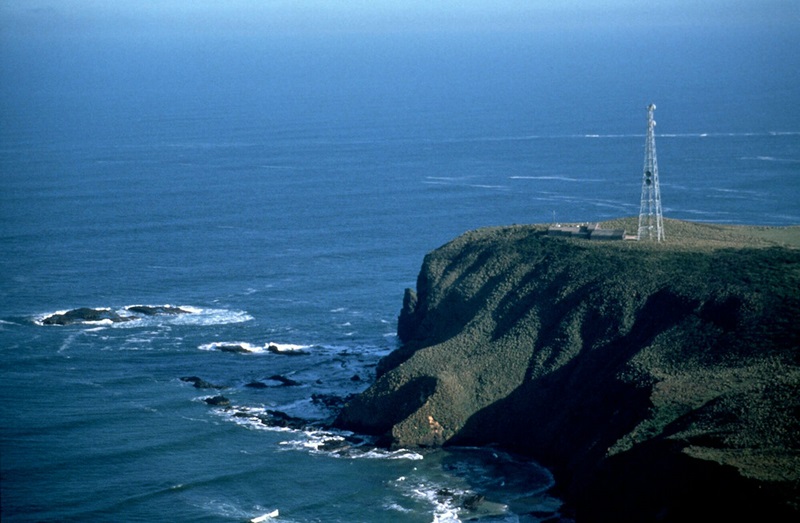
(231, 18)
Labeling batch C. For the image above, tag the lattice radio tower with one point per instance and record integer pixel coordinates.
(651, 222)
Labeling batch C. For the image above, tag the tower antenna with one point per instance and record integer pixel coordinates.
(651, 222)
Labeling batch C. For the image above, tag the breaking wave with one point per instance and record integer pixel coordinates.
(244, 347)
(142, 315)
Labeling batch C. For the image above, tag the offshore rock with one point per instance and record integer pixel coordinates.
(88, 315)
(658, 381)
(83, 315)
(330, 401)
(233, 347)
(152, 310)
(274, 349)
(218, 401)
(284, 381)
(200, 383)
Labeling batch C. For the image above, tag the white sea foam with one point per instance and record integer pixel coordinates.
(234, 346)
(771, 159)
(219, 345)
(286, 347)
(444, 510)
(248, 417)
(336, 445)
(557, 178)
(485, 186)
(39, 319)
(190, 315)
(390, 454)
(397, 508)
(98, 322)
(448, 178)
(68, 342)
(204, 317)
(229, 511)
(312, 441)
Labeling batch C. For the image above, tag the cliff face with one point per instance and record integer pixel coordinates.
(656, 380)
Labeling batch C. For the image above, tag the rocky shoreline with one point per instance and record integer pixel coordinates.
(660, 382)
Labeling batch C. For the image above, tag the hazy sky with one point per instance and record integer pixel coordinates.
(117, 18)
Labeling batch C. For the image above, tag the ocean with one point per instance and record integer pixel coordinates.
(282, 193)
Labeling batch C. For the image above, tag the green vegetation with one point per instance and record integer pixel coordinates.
(628, 367)
(705, 236)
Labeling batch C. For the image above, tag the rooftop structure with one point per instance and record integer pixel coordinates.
(588, 231)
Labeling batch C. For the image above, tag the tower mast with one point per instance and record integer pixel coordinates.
(651, 222)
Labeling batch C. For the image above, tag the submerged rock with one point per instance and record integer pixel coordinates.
(276, 418)
(472, 501)
(331, 401)
(284, 381)
(200, 383)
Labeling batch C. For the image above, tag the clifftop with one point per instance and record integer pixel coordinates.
(650, 377)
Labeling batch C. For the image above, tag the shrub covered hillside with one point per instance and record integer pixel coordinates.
(660, 382)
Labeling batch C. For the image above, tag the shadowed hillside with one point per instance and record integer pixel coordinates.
(658, 381)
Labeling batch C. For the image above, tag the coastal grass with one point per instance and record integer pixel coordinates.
(681, 355)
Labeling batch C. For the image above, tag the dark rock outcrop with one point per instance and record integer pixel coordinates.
(284, 381)
(233, 347)
(274, 349)
(218, 401)
(88, 314)
(83, 315)
(330, 401)
(153, 310)
(276, 418)
(660, 382)
(200, 383)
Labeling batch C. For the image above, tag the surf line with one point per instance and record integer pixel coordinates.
(265, 517)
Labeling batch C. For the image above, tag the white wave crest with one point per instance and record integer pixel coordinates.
(231, 346)
(557, 178)
(203, 317)
(390, 454)
(336, 445)
(770, 159)
(246, 347)
(444, 509)
(249, 417)
(152, 315)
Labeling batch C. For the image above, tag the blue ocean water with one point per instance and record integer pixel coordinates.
(285, 193)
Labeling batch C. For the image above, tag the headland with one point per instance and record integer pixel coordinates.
(659, 381)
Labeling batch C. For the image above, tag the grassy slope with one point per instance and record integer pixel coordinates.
(602, 358)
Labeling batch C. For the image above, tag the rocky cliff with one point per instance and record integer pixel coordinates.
(660, 382)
